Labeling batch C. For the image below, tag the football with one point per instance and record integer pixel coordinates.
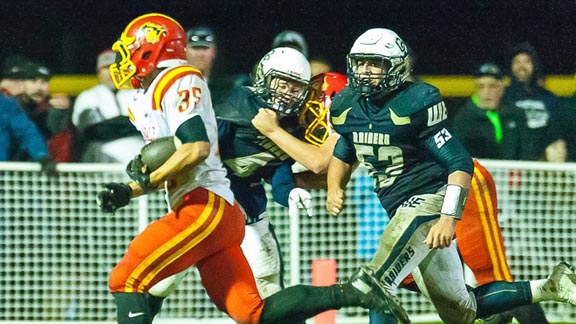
(155, 153)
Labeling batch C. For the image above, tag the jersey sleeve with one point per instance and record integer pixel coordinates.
(344, 151)
(439, 141)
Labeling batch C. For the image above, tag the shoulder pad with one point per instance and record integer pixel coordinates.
(415, 97)
(239, 107)
(342, 101)
(166, 82)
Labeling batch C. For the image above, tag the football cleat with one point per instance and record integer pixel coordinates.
(561, 285)
(363, 286)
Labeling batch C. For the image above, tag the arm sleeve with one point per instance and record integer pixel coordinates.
(192, 130)
(438, 140)
(344, 151)
(282, 184)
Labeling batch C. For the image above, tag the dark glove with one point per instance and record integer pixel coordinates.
(115, 196)
(47, 166)
(140, 173)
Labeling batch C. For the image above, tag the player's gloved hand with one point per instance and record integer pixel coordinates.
(140, 173)
(48, 166)
(115, 195)
(301, 199)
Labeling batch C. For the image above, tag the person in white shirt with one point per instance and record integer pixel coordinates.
(101, 117)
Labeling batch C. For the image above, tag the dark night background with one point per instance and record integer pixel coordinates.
(448, 37)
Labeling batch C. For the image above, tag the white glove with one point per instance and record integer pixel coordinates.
(300, 199)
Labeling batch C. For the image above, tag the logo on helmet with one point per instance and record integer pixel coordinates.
(152, 32)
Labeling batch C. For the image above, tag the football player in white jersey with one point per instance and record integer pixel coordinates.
(205, 225)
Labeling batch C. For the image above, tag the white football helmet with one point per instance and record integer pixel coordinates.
(282, 78)
(388, 48)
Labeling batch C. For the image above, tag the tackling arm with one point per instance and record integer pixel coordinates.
(314, 158)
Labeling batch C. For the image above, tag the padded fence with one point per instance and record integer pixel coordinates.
(57, 248)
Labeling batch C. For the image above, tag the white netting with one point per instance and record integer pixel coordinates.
(57, 248)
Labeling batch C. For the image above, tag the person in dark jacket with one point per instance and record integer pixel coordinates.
(539, 105)
(487, 128)
(18, 132)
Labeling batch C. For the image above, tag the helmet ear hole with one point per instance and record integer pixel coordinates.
(146, 55)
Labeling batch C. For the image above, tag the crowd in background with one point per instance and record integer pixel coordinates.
(519, 120)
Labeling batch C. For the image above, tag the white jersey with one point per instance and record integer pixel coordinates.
(100, 103)
(177, 94)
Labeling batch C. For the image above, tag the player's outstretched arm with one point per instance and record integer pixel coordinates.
(314, 158)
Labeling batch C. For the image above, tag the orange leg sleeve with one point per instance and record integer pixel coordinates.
(479, 236)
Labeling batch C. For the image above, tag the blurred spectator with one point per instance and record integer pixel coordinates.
(539, 105)
(18, 132)
(487, 128)
(567, 116)
(319, 65)
(293, 39)
(202, 53)
(100, 114)
(27, 81)
(202, 50)
(50, 113)
(13, 74)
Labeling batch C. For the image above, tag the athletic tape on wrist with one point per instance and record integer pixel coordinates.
(454, 201)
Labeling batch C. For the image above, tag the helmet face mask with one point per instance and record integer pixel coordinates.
(144, 45)
(281, 79)
(378, 62)
(124, 68)
(285, 94)
(315, 113)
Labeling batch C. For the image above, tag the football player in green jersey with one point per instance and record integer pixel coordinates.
(397, 129)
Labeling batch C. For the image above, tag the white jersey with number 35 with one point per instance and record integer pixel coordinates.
(177, 94)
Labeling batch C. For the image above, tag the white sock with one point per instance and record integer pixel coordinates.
(539, 294)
